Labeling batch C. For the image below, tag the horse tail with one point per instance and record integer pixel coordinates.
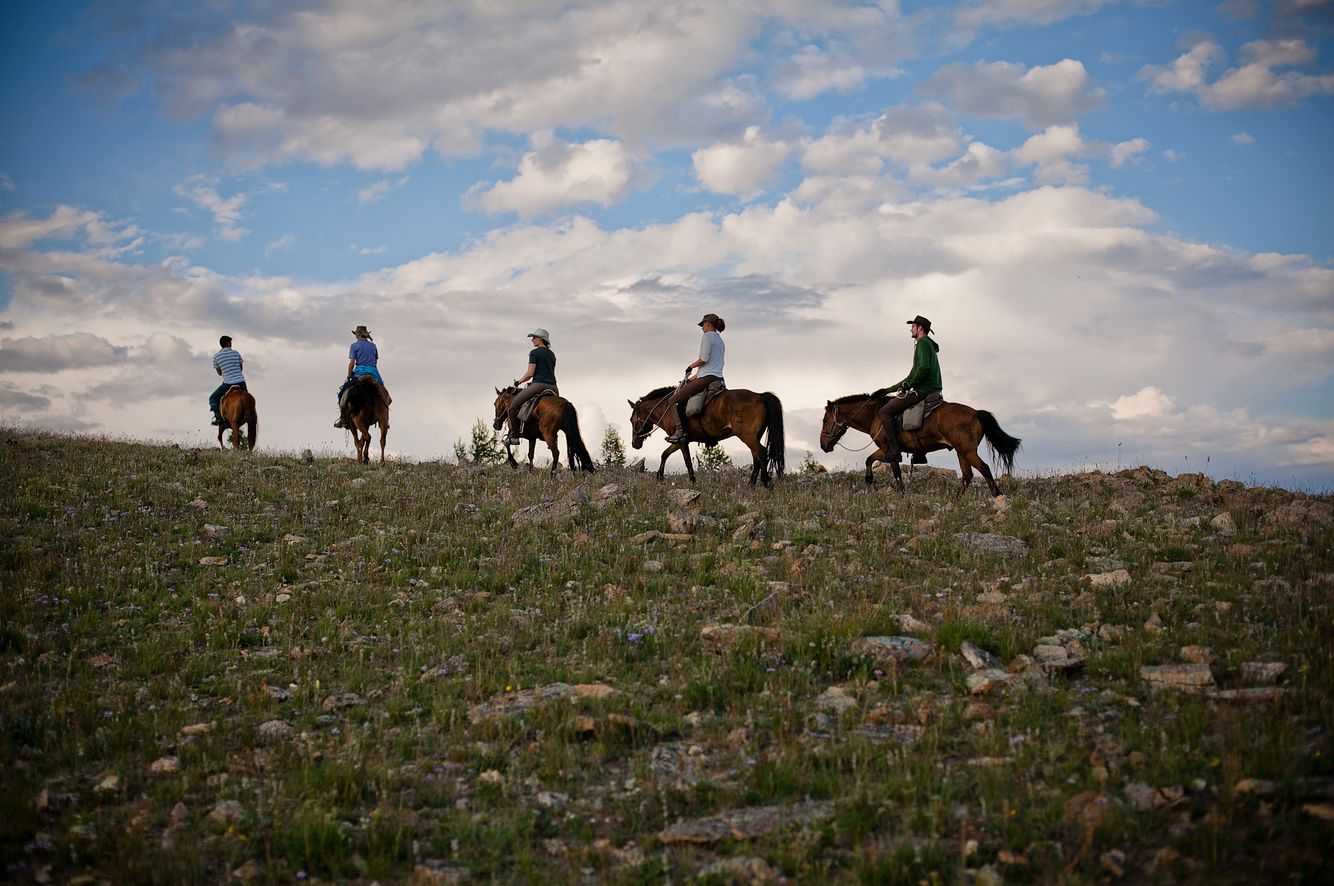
(569, 423)
(1003, 446)
(252, 430)
(774, 425)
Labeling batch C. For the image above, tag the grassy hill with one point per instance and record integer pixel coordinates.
(217, 666)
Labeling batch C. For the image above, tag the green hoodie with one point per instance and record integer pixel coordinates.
(925, 375)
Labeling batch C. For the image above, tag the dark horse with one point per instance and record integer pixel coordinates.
(952, 426)
(551, 414)
(363, 407)
(237, 408)
(738, 413)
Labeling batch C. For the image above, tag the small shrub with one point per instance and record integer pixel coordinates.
(482, 447)
(613, 449)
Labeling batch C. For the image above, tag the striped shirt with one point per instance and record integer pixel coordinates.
(230, 363)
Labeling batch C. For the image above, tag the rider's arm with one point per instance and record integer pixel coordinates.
(532, 367)
(351, 364)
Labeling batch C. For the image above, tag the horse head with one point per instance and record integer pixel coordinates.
(831, 429)
(503, 398)
(641, 422)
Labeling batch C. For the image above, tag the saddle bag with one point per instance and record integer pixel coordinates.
(914, 417)
(695, 405)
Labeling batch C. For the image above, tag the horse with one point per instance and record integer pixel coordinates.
(550, 414)
(237, 408)
(952, 426)
(739, 413)
(363, 407)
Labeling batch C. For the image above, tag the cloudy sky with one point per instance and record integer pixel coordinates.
(1115, 213)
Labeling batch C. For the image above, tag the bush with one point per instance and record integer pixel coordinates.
(613, 449)
(713, 458)
(483, 447)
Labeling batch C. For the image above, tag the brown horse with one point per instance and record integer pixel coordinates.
(362, 407)
(551, 414)
(738, 413)
(952, 426)
(238, 408)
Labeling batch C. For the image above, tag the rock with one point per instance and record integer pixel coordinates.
(892, 650)
(1154, 624)
(282, 597)
(1259, 787)
(511, 703)
(1045, 653)
(746, 824)
(248, 871)
(644, 537)
(906, 622)
(595, 690)
(213, 530)
(1112, 633)
(212, 561)
(1262, 671)
(491, 776)
(990, 543)
(1142, 796)
(108, 784)
(682, 497)
(293, 539)
(1183, 677)
(552, 800)
(455, 664)
(197, 729)
(1113, 579)
(1322, 811)
(1087, 810)
(1224, 524)
(896, 733)
(987, 681)
(226, 812)
(1205, 655)
(548, 513)
(992, 598)
(726, 637)
(681, 523)
(274, 730)
(165, 765)
(740, 869)
(977, 657)
(653, 566)
(836, 700)
(1251, 695)
(343, 701)
(433, 872)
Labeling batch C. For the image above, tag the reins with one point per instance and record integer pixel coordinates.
(651, 421)
(841, 427)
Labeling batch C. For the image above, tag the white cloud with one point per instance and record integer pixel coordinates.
(1053, 151)
(52, 353)
(1041, 12)
(282, 244)
(227, 212)
(743, 167)
(1172, 155)
(1148, 402)
(6, 183)
(377, 189)
(1040, 96)
(557, 174)
(1128, 151)
(1243, 138)
(1257, 83)
(812, 71)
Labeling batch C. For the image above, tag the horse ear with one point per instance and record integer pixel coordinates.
(828, 403)
(632, 403)
(497, 392)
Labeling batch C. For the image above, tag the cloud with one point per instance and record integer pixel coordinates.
(813, 70)
(14, 401)
(376, 190)
(1147, 402)
(282, 244)
(557, 174)
(6, 183)
(1243, 138)
(53, 353)
(743, 167)
(1256, 83)
(1040, 96)
(227, 212)
(1038, 12)
(1128, 151)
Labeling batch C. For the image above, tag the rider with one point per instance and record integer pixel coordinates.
(226, 363)
(924, 379)
(542, 371)
(362, 358)
(710, 370)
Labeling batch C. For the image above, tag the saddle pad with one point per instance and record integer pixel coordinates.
(914, 417)
(527, 408)
(695, 405)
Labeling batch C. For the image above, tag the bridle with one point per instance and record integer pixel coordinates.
(649, 424)
(841, 427)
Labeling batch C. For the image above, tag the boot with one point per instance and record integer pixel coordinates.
(515, 437)
(892, 454)
(682, 435)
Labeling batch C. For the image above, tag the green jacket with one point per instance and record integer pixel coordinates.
(925, 375)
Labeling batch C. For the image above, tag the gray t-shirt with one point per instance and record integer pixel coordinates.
(711, 350)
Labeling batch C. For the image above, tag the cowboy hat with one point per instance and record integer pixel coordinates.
(362, 330)
(541, 333)
(921, 321)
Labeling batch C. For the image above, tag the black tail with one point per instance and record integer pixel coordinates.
(1003, 446)
(774, 425)
(252, 432)
(574, 444)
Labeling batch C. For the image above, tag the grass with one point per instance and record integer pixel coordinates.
(346, 588)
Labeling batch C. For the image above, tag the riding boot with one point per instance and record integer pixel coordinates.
(516, 432)
(892, 454)
(682, 435)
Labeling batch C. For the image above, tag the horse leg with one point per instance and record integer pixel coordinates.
(898, 477)
(870, 463)
(759, 463)
(985, 471)
(221, 430)
(384, 433)
(690, 465)
(965, 471)
(553, 443)
(532, 450)
(662, 465)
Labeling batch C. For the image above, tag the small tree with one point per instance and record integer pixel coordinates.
(613, 450)
(482, 448)
(810, 466)
(713, 458)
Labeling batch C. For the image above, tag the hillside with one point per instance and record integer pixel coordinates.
(218, 666)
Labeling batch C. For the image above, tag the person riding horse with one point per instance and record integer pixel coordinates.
(542, 370)
(363, 358)
(708, 369)
(922, 381)
(228, 364)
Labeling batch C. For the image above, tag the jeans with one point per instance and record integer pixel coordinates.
(216, 397)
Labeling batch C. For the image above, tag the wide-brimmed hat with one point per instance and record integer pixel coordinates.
(541, 333)
(921, 321)
(718, 322)
(362, 330)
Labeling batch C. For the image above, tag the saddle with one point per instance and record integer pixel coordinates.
(695, 405)
(528, 406)
(914, 417)
(345, 391)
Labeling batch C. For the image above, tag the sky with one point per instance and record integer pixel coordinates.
(1115, 214)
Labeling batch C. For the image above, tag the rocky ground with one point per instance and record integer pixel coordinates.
(220, 667)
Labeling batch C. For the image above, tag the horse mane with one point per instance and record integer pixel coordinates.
(853, 398)
(659, 392)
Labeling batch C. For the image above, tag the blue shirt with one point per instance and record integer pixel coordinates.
(363, 352)
(230, 363)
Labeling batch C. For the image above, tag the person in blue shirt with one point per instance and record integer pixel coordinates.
(363, 358)
(228, 364)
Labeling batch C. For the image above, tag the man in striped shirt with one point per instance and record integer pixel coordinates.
(226, 363)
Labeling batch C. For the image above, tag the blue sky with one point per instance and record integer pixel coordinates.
(1126, 201)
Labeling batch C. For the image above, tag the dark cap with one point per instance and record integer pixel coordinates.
(718, 322)
(921, 321)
